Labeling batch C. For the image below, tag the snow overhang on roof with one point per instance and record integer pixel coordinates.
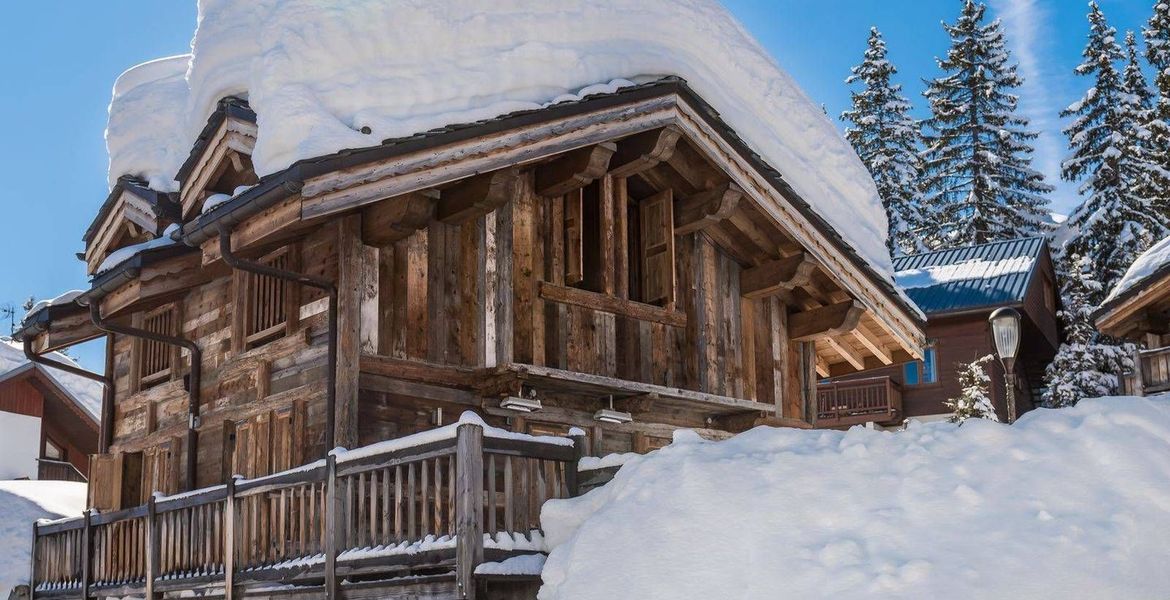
(979, 277)
(1148, 268)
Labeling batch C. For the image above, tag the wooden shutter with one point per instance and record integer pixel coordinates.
(656, 216)
(574, 249)
(160, 468)
(156, 360)
(267, 305)
(105, 481)
(288, 437)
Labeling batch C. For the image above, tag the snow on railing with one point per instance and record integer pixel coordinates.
(439, 497)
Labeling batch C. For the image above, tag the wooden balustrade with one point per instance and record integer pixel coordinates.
(58, 470)
(437, 500)
(857, 401)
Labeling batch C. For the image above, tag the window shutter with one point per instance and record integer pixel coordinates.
(287, 437)
(574, 250)
(656, 215)
(261, 445)
(105, 481)
(242, 451)
(160, 468)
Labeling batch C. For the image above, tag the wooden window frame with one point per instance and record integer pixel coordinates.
(143, 351)
(248, 290)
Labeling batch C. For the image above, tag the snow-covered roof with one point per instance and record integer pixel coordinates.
(121, 255)
(1148, 263)
(317, 74)
(983, 275)
(85, 393)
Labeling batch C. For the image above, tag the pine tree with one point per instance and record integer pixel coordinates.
(974, 401)
(979, 180)
(1086, 365)
(887, 138)
(1157, 38)
(1116, 220)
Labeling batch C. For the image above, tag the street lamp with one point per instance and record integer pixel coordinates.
(1005, 328)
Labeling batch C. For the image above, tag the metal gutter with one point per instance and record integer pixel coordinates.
(106, 424)
(193, 387)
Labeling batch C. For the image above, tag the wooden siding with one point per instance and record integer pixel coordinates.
(22, 398)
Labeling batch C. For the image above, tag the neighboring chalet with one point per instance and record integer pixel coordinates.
(48, 418)
(1138, 310)
(587, 278)
(957, 289)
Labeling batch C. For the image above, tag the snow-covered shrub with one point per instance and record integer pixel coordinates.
(974, 401)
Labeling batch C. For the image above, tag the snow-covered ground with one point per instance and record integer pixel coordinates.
(22, 503)
(1070, 503)
(319, 73)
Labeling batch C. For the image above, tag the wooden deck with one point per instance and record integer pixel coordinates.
(359, 524)
(858, 401)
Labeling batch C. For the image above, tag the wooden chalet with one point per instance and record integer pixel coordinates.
(957, 289)
(48, 419)
(1138, 311)
(604, 271)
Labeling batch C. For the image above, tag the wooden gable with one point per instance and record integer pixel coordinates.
(221, 160)
(133, 214)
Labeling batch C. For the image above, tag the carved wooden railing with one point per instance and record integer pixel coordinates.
(1151, 374)
(856, 401)
(442, 499)
(58, 470)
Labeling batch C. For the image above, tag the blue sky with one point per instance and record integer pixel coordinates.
(60, 59)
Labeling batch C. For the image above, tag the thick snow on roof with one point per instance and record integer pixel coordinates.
(965, 271)
(1069, 503)
(24, 502)
(144, 132)
(66, 298)
(87, 393)
(316, 73)
(1149, 261)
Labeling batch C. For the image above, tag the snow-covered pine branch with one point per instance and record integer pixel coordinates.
(979, 181)
(887, 139)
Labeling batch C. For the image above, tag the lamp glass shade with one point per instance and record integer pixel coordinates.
(1005, 328)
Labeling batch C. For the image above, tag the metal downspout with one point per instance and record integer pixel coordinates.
(235, 262)
(196, 376)
(106, 425)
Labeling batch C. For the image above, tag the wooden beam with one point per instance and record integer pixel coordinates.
(846, 352)
(824, 321)
(871, 343)
(574, 170)
(775, 276)
(611, 304)
(706, 208)
(397, 218)
(477, 196)
(643, 151)
(822, 367)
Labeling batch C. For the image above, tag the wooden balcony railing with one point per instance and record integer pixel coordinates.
(1151, 374)
(58, 470)
(444, 500)
(858, 401)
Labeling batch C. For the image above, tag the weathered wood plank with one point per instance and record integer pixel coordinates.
(776, 276)
(573, 170)
(824, 321)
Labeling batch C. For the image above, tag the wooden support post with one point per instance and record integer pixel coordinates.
(334, 534)
(1139, 383)
(86, 554)
(349, 317)
(152, 552)
(572, 479)
(468, 507)
(229, 541)
(32, 564)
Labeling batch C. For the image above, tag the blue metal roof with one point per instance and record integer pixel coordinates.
(993, 274)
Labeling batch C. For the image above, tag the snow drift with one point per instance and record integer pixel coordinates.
(317, 73)
(1071, 503)
(23, 502)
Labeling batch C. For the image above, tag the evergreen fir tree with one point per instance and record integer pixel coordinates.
(1116, 220)
(1157, 38)
(886, 138)
(1085, 366)
(979, 181)
(974, 401)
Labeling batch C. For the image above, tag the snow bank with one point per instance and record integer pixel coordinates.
(24, 502)
(1071, 503)
(86, 392)
(1144, 266)
(144, 135)
(317, 73)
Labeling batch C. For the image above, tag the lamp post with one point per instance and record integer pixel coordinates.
(1005, 329)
